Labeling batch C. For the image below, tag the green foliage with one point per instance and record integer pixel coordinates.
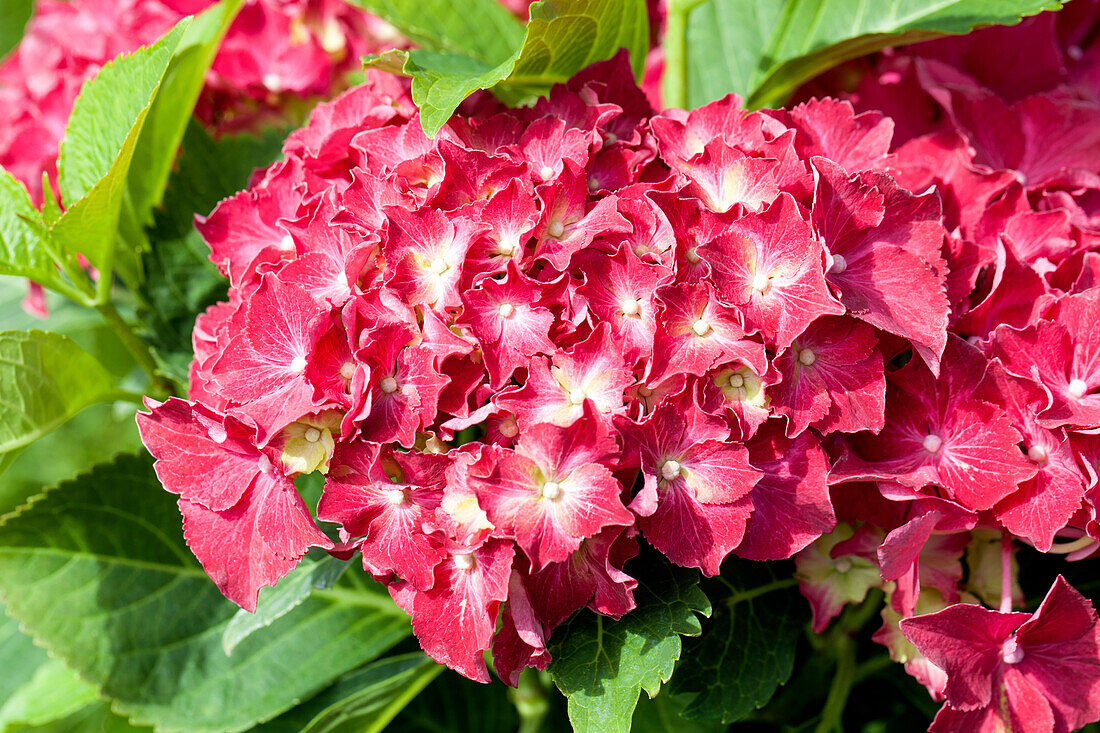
(98, 572)
(45, 379)
(121, 142)
(95, 154)
(481, 29)
(171, 108)
(764, 49)
(663, 714)
(748, 649)
(603, 665)
(562, 37)
(454, 704)
(276, 602)
(21, 236)
(35, 689)
(180, 280)
(14, 15)
(363, 701)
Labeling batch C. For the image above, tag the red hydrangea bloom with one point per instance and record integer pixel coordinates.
(241, 515)
(937, 433)
(551, 333)
(1014, 671)
(553, 491)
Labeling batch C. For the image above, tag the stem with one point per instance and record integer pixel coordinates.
(1006, 573)
(871, 667)
(748, 595)
(675, 84)
(1067, 548)
(841, 687)
(530, 701)
(159, 387)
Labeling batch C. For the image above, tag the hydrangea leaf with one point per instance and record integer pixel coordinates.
(363, 701)
(45, 379)
(663, 714)
(117, 595)
(122, 138)
(562, 37)
(98, 148)
(748, 649)
(170, 112)
(21, 235)
(454, 704)
(764, 49)
(603, 665)
(14, 15)
(35, 689)
(277, 601)
(481, 29)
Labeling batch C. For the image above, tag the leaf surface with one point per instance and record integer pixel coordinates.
(98, 147)
(748, 649)
(602, 665)
(45, 379)
(562, 37)
(14, 15)
(98, 572)
(764, 49)
(277, 601)
(22, 232)
(363, 701)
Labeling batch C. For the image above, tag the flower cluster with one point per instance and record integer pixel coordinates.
(275, 51)
(999, 442)
(513, 349)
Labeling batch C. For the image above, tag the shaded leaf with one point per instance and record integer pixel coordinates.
(661, 714)
(748, 648)
(171, 108)
(562, 37)
(98, 572)
(602, 665)
(363, 701)
(454, 704)
(764, 49)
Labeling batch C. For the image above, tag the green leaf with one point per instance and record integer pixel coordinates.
(98, 147)
(180, 281)
(764, 49)
(171, 109)
(276, 602)
(22, 235)
(97, 572)
(602, 665)
(562, 37)
(748, 649)
(454, 704)
(97, 432)
(662, 714)
(14, 15)
(363, 701)
(45, 379)
(481, 29)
